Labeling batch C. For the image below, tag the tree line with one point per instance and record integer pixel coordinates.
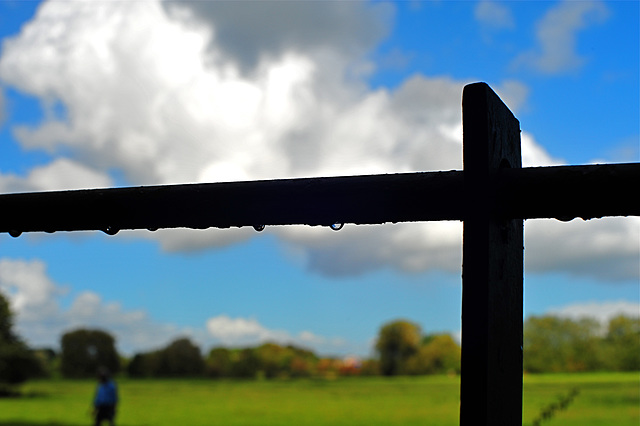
(551, 344)
(555, 344)
(83, 351)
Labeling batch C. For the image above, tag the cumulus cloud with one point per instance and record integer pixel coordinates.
(31, 291)
(164, 102)
(174, 93)
(60, 174)
(494, 15)
(607, 249)
(266, 29)
(556, 34)
(238, 330)
(165, 105)
(410, 247)
(243, 331)
(177, 240)
(40, 319)
(533, 155)
(601, 311)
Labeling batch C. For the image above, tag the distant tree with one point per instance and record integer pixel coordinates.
(439, 353)
(302, 362)
(219, 363)
(554, 344)
(181, 358)
(623, 343)
(370, 367)
(271, 359)
(245, 363)
(301, 366)
(134, 368)
(49, 361)
(268, 360)
(6, 321)
(328, 367)
(141, 365)
(17, 361)
(397, 342)
(47, 353)
(84, 351)
(274, 360)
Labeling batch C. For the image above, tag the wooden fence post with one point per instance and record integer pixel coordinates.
(492, 270)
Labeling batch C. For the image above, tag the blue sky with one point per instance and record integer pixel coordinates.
(136, 93)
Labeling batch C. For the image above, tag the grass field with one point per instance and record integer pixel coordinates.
(603, 399)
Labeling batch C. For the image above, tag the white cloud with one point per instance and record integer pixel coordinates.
(410, 247)
(167, 104)
(241, 331)
(601, 311)
(266, 29)
(40, 319)
(495, 15)
(514, 94)
(556, 34)
(189, 240)
(164, 105)
(457, 336)
(533, 155)
(30, 290)
(60, 174)
(234, 331)
(149, 92)
(607, 249)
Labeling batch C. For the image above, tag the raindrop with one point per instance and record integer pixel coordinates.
(15, 234)
(152, 229)
(337, 226)
(111, 230)
(258, 228)
(565, 218)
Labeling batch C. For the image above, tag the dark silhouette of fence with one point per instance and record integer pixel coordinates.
(492, 195)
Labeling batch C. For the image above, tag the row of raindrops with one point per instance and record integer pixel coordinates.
(111, 230)
(335, 227)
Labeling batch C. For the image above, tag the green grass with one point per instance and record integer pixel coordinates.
(603, 399)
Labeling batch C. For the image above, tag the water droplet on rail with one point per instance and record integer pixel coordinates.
(111, 230)
(258, 228)
(565, 218)
(337, 226)
(152, 229)
(15, 234)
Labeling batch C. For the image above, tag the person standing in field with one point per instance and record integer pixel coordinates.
(106, 399)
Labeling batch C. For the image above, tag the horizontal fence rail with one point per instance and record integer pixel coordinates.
(562, 192)
(567, 192)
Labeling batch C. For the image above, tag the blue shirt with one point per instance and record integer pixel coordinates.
(107, 394)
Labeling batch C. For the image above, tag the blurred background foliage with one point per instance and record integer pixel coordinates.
(551, 344)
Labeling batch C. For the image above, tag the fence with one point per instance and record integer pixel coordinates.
(492, 196)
